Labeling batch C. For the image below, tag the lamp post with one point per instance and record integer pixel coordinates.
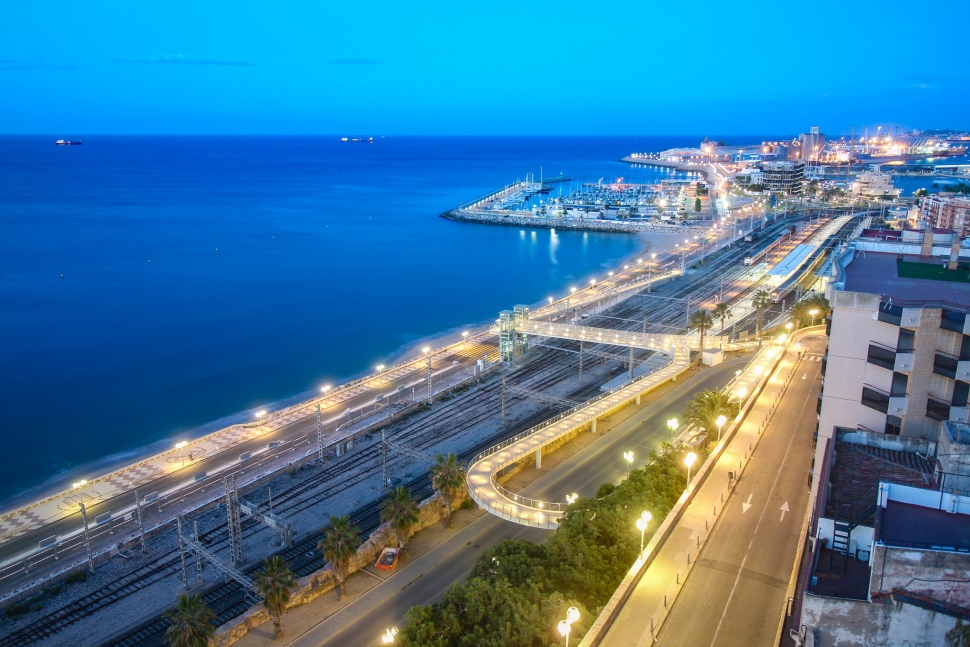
(672, 425)
(388, 637)
(813, 312)
(642, 522)
(259, 418)
(689, 461)
(324, 390)
(628, 457)
(720, 423)
(427, 356)
(181, 447)
(380, 370)
(565, 626)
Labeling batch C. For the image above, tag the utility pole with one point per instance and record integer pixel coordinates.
(185, 578)
(87, 538)
(580, 361)
(428, 357)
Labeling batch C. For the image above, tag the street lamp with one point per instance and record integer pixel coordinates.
(464, 336)
(259, 418)
(628, 457)
(388, 636)
(571, 498)
(181, 447)
(642, 522)
(324, 390)
(672, 425)
(741, 393)
(564, 630)
(572, 615)
(813, 312)
(689, 461)
(78, 484)
(720, 423)
(380, 369)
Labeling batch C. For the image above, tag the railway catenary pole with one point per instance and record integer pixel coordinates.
(87, 538)
(185, 577)
(141, 522)
(428, 357)
(198, 560)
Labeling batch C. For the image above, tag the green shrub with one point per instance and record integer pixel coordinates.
(77, 577)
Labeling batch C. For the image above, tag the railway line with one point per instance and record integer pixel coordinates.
(664, 308)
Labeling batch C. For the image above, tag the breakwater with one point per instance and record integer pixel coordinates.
(509, 219)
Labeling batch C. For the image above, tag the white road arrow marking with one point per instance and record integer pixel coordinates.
(784, 509)
(805, 376)
(746, 504)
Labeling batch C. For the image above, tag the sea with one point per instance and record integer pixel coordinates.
(155, 288)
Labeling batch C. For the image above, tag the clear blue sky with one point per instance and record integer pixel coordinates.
(495, 67)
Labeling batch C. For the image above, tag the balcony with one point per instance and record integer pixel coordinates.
(953, 320)
(880, 355)
(959, 414)
(875, 398)
(904, 362)
(946, 364)
(897, 404)
(937, 409)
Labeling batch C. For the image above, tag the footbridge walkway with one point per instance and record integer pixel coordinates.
(482, 486)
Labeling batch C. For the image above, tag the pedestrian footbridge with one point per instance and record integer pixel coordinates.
(482, 486)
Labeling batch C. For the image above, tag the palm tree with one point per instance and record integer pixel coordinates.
(447, 478)
(401, 511)
(761, 301)
(192, 622)
(797, 313)
(705, 408)
(274, 583)
(701, 320)
(722, 312)
(339, 546)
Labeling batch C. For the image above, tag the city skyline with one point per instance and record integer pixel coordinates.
(504, 70)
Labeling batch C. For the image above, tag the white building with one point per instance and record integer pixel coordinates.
(874, 185)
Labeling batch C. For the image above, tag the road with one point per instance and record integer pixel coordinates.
(600, 462)
(735, 595)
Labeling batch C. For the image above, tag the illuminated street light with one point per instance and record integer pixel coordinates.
(78, 484)
(571, 498)
(564, 630)
(741, 393)
(380, 369)
(259, 417)
(720, 423)
(813, 312)
(642, 522)
(388, 637)
(181, 447)
(672, 425)
(628, 457)
(464, 336)
(572, 615)
(324, 390)
(689, 461)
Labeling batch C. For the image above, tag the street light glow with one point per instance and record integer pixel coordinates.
(78, 484)
(325, 388)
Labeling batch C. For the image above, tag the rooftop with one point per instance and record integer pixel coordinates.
(917, 526)
(876, 273)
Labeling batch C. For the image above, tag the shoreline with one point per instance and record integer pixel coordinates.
(105, 465)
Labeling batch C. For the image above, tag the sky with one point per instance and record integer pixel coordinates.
(489, 68)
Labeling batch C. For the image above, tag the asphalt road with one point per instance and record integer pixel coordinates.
(584, 472)
(735, 595)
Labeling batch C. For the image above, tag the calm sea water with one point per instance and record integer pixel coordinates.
(203, 277)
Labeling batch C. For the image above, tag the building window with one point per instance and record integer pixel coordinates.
(875, 398)
(891, 314)
(952, 320)
(881, 356)
(937, 409)
(900, 382)
(945, 364)
(961, 391)
(907, 341)
(893, 425)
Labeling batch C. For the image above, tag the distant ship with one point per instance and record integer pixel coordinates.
(358, 139)
(68, 142)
